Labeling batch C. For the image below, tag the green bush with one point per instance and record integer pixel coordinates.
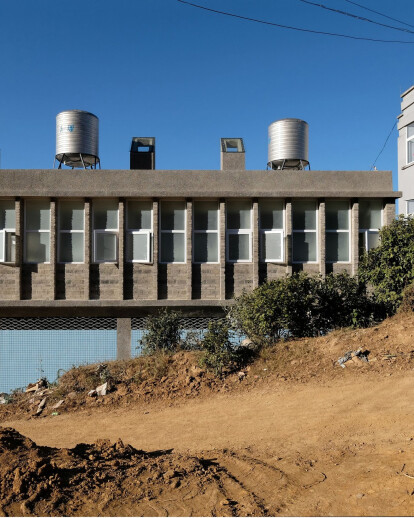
(302, 306)
(163, 332)
(389, 268)
(218, 352)
(407, 303)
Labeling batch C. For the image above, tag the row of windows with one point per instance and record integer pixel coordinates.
(410, 143)
(139, 231)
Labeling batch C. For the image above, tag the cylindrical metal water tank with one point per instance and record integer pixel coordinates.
(77, 138)
(288, 144)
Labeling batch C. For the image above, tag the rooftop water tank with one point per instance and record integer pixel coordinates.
(288, 144)
(77, 139)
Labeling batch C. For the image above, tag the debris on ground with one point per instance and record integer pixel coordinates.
(4, 398)
(35, 387)
(41, 406)
(360, 354)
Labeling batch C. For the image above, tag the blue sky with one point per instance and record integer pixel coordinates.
(188, 77)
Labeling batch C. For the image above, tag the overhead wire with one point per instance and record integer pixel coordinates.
(355, 16)
(383, 147)
(380, 14)
(290, 27)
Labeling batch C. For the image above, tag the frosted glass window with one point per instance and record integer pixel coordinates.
(71, 247)
(71, 215)
(106, 246)
(410, 151)
(7, 214)
(367, 240)
(373, 240)
(304, 215)
(105, 214)
(239, 247)
(271, 214)
(37, 247)
(337, 247)
(173, 215)
(304, 247)
(370, 214)
(337, 215)
(205, 215)
(139, 216)
(271, 246)
(410, 130)
(205, 248)
(172, 248)
(410, 207)
(239, 215)
(138, 247)
(38, 215)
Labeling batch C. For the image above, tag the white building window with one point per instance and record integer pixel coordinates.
(410, 143)
(370, 221)
(139, 232)
(305, 231)
(37, 231)
(105, 231)
(337, 231)
(7, 231)
(271, 213)
(172, 232)
(206, 232)
(71, 225)
(239, 231)
(410, 206)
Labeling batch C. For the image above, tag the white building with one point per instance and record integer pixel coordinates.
(406, 152)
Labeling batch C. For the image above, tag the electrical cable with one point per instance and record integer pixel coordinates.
(291, 27)
(357, 17)
(383, 147)
(381, 14)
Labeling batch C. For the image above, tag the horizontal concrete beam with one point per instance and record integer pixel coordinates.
(193, 183)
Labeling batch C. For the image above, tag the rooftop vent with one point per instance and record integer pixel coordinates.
(142, 153)
(232, 155)
(288, 144)
(77, 139)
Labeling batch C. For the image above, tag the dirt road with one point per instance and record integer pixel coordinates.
(299, 449)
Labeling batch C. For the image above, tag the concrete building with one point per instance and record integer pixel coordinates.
(406, 152)
(121, 243)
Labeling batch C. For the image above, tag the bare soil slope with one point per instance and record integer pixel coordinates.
(297, 435)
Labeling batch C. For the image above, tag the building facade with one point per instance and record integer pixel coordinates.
(406, 152)
(123, 243)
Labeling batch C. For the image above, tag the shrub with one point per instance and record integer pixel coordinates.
(163, 332)
(407, 303)
(389, 268)
(218, 352)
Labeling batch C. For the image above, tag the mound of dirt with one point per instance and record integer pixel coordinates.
(169, 379)
(118, 480)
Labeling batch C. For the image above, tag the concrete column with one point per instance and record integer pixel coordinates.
(322, 238)
(88, 249)
(121, 246)
(389, 211)
(53, 245)
(189, 239)
(222, 237)
(19, 246)
(288, 241)
(155, 250)
(123, 339)
(255, 247)
(354, 236)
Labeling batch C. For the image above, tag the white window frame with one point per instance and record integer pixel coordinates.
(36, 232)
(149, 232)
(367, 231)
(207, 232)
(281, 232)
(249, 232)
(59, 232)
(103, 231)
(3, 235)
(407, 207)
(316, 231)
(409, 139)
(338, 231)
(161, 232)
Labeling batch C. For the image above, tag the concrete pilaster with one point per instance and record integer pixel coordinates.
(19, 246)
(354, 236)
(189, 239)
(88, 249)
(121, 246)
(322, 238)
(255, 244)
(222, 237)
(53, 244)
(123, 338)
(389, 211)
(155, 244)
(288, 242)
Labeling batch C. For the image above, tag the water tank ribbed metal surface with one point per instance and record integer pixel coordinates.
(77, 138)
(288, 144)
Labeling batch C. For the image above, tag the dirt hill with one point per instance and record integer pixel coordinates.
(293, 434)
